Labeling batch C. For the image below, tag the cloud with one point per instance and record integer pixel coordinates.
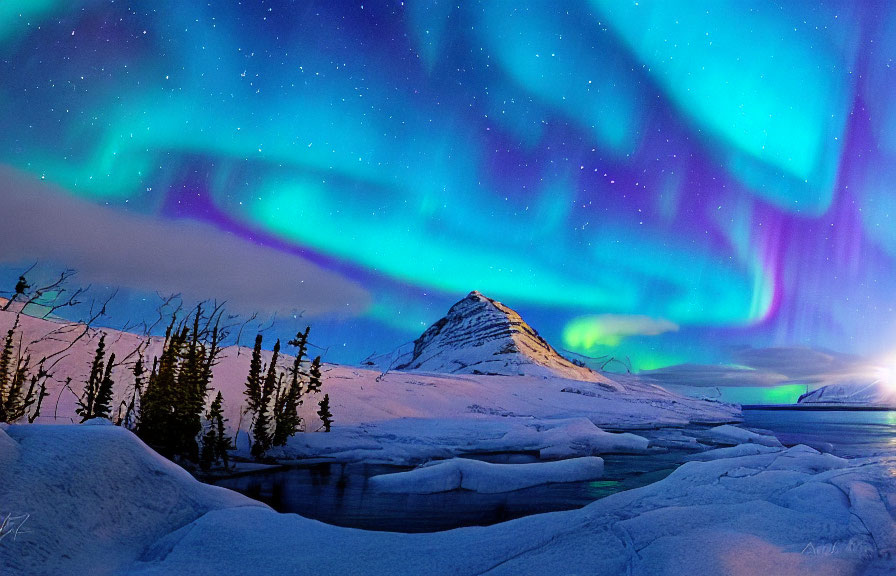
(714, 375)
(767, 367)
(114, 247)
(587, 332)
(799, 362)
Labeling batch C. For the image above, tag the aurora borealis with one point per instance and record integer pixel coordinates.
(661, 180)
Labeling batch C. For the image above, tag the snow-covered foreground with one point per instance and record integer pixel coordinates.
(94, 500)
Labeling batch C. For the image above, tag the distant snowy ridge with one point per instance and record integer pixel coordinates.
(859, 393)
(482, 336)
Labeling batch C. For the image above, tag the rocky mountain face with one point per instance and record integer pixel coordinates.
(482, 336)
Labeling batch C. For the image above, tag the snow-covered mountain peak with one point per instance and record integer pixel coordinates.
(480, 335)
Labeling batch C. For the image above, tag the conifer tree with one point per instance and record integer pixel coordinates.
(289, 397)
(130, 413)
(37, 391)
(262, 430)
(156, 405)
(224, 442)
(314, 376)
(87, 403)
(207, 450)
(301, 343)
(215, 442)
(287, 418)
(173, 402)
(254, 382)
(15, 403)
(6, 372)
(192, 386)
(326, 417)
(102, 407)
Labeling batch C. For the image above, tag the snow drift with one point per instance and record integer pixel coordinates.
(89, 498)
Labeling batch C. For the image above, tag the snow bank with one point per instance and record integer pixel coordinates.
(465, 474)
(86, 499)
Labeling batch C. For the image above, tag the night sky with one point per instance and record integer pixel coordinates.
(665, 180)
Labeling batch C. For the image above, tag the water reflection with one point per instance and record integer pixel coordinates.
(845, 433)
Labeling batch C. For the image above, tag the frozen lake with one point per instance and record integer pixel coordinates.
(339, 493)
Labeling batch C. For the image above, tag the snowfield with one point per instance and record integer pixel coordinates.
(406, 416)
(97, 501)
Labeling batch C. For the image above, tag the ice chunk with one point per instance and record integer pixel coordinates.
(732, 435)
(465, 474)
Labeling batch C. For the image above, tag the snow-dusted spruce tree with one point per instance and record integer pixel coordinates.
(129, 418)
(326, 417)
(315, 380)
(286, 408)
(17, 402)
(273, 398)
(95, 402)
(173, 403)
(262, 430)
(6, 372)
(253, 381)
(156, 409)
(215, 442)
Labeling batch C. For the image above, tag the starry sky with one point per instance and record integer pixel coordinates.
(664, 181)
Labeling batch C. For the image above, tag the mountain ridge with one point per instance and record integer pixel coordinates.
(480, 335)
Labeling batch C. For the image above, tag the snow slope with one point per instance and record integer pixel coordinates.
(87, 499)
(401, 416)
(101, 503)
(482, 336)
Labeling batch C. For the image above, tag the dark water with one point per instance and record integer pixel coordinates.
(338, 494)
(848, 433)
